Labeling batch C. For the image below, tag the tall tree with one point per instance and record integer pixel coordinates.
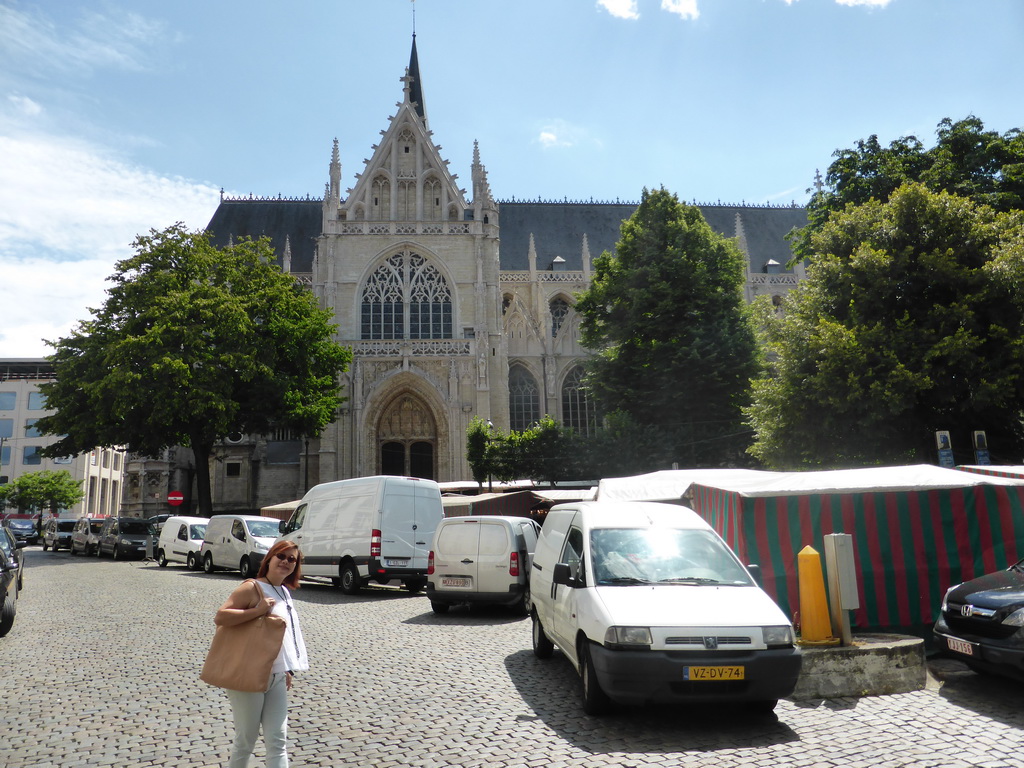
(910, 321)
(674, 345)
(193, 343)
(967, 160)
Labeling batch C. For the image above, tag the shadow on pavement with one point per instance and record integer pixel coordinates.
(550, 688)
(999, 698)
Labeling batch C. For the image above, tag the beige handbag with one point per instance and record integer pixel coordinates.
(241, 656)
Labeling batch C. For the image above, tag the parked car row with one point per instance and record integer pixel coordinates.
(12, 576)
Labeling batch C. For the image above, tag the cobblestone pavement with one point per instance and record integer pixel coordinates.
(101, 669)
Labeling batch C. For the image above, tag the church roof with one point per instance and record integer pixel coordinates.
(558, 230)
(415, 86)
(300, 221)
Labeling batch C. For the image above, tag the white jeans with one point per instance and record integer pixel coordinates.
(269, 709)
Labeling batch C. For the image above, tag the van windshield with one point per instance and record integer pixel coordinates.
(627, 556)
(264, 528)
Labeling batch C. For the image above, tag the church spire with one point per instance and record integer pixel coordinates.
(415, 88)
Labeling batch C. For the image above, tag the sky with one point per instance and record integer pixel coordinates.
(122, 116)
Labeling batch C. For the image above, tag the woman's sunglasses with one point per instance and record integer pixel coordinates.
(283, 556)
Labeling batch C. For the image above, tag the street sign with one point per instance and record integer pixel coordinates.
(175, 498)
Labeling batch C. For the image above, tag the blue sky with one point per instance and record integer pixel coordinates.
(124, 115)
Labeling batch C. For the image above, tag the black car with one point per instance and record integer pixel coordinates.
(982, 622)
(12, 548)
(24, 529)
(9, 590)
(124, 537)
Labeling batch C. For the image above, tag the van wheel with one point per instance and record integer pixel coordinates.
(208, 563)
(542, 647)
(350, 581)
(524, 605)
(192, 565)
(161, 559)
(439, 607)
(117, 552)
(44, 545)
(245, 567)
(762, 707)
(595, 700)
(414, 585)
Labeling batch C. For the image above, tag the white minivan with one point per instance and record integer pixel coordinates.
(180, 541)
(650, 605)
(481, 559)
(237, 542)
(367, 529)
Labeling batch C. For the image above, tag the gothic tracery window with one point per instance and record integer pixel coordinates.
(578, 411)
(406, 297)
(559, 311)
(523, 398)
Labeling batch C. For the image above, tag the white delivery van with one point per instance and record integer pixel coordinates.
(180, 541)
(367, 528)
(481, 559)
(237, 542)
(650, 605)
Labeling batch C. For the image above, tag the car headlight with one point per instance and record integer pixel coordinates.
(945, 598)
(633, 638)
(126, 543)
(260, 547)
(1015, 619)
(776, 636)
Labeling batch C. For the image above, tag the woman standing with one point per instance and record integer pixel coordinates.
(279, 572)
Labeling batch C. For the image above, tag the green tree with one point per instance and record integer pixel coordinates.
(966, 160)
(36, 491)
(674, 345)
(910, 321)
(193, 343)
(479, 450)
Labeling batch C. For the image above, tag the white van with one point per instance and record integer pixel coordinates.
(481, 559)
(367, 528)
(237, 542)
(180, 541)
(650, 605)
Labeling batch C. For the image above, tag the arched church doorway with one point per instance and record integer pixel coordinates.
(407, 439)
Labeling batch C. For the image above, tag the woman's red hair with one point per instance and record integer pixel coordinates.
(292, 579)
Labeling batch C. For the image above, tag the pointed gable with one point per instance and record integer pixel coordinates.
(406, 179)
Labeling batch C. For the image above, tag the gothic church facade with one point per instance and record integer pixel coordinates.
(455, 305)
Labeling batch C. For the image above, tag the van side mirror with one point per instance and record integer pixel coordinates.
(755, 572)
(562, 575)
(284, 526)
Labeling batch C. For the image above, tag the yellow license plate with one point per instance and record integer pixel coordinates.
(713, 673)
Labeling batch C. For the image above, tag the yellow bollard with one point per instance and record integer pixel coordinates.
(815, 627)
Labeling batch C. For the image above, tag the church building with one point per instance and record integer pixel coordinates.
(456, 304)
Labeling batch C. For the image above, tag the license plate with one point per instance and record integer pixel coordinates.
(450, 582)
(959, 646)
(396, 563)
(713, 673)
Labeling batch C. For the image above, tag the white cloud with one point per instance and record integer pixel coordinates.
(68, 212)
(620, 9)
(33, 42)
(559, 133)
(24, 105)
(685, 9)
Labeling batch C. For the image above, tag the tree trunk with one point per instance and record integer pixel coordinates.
(201, 452)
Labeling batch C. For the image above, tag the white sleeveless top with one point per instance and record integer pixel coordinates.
(292, 655)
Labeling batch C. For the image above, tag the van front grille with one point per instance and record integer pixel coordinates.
(699, 640)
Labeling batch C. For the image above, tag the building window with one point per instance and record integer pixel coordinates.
(523, 399)
(30, 455)
(233, 469)
(559, 311)
(8, 400)
(577, 408)
(406, 298)
(36, 401)
(30, 428)
(6, 427)
(5, 455)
